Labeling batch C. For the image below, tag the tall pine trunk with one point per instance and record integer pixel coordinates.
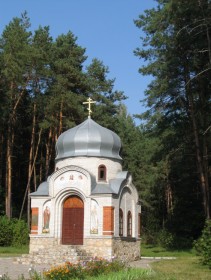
(198, 146)
(8, 198)
(48, 153)
(31, 154)
(1, 161)
(30, 175)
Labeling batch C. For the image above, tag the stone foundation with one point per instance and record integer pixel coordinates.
(126, 249)
(41, 243)
(100, 247)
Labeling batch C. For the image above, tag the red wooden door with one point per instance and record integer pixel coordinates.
(73, 221)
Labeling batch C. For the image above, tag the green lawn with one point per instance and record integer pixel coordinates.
(156, 251)
(13, 251)
(182, 268)
(186, 266)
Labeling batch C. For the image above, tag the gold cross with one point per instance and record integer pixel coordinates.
(89, 102)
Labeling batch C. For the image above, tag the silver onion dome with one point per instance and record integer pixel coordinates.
(88, 139)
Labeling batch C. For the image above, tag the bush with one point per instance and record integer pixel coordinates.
(20, 233)
(171, 241)
(13, 232)
(166, 239)
(5, 232)
(91, 268)
(203, 244)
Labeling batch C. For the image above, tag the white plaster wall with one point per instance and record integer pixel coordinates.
(116, 216)
(102, 200)
(39, 203)
(69, 177)
(59, 190)
(129, 202)
(91, 165)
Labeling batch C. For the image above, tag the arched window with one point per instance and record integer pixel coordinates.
(120, 222)
(139, 224)
(102, 173)
(129, 224)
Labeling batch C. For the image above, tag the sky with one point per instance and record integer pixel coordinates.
(105, 28)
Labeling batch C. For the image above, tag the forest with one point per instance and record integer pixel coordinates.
(44, 82)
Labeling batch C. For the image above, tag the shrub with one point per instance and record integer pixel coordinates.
(13, 232)
(5, 232)
(171, 241)
(203, 244)
(166, 239)
(20, 233)
(182, 242)
(91, 268)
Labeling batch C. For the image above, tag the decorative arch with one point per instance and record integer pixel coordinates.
(129, 224)
(63, 170)
(121, 223)
(73, 220)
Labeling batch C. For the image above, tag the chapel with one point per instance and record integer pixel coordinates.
(88, 203)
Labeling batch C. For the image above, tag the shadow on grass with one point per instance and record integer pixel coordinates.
(150, 250)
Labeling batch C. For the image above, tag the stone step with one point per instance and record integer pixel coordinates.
(55, 256)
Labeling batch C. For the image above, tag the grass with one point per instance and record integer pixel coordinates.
(13, 251)
(182, 268)
(186, 265)
(157, 251)
(131, 274)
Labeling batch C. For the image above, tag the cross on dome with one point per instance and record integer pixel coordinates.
(89, 102)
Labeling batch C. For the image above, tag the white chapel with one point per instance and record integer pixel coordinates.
(88, 202)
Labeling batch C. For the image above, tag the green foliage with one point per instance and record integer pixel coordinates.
(203, 244)
(171, 241)
(91, 268)
(148, 250)
(177, 119)
(5, 277)
(20, 233)
(129, 274)
(5, 232)
(13, 251)
(165, 239)
(43, 85)
(13, 232)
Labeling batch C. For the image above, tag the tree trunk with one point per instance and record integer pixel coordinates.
(61, 117)
(41, 167)
(48, 153)
(31, 153)
(29, 179)
(199, 158)
(15, 101)
(8, 199)
(1, 161)
(35, 179)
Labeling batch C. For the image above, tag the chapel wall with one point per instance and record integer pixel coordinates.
(100, 247)
(91, 164)
(102, 202)
(38, 243)
(127, 249)
(39, 204)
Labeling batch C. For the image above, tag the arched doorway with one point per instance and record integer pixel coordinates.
(73, 221)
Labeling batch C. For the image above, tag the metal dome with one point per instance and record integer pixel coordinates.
(88, 139)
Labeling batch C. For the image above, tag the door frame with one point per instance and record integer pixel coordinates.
(75, 202)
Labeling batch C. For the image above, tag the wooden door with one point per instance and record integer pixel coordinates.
(73, 221)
